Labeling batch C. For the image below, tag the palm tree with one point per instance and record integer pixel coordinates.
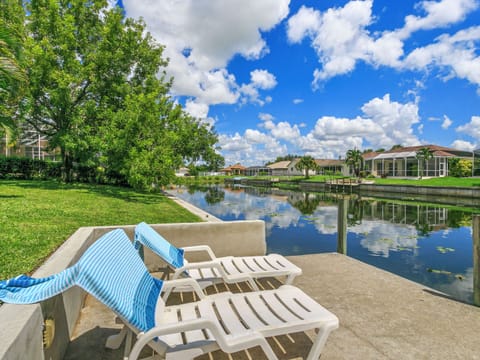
(423, 155)
(306, 163)
(354, 159)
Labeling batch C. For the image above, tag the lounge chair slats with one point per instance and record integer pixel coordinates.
(170, 316)
(250, 317)
(235, 269)
(189, 313)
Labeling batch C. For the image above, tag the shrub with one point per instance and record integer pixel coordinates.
(460, 167)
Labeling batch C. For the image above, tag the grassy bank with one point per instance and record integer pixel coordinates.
(443, 181)
(38, 216)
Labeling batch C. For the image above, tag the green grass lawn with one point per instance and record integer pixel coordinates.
(38, 216)
(443, 181)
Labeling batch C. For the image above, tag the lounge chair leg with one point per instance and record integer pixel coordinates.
(253, 284)
(128, 343)
(319, 343)
(267, 349)
(289, 279)
(114, 341)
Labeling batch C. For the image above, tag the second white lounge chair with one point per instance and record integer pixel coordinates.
(228, 269)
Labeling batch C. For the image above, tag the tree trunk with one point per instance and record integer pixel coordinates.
(67, 166)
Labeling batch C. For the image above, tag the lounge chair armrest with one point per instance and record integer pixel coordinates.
(143, 339)
(197, 248)
(188, 283)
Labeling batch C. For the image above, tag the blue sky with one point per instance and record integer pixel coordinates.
(277, 77)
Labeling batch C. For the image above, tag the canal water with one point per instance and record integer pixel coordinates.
(426, 243)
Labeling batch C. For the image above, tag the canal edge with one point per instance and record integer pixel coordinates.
(205, 216)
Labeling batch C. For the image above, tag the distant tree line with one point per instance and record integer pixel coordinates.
(93, 83)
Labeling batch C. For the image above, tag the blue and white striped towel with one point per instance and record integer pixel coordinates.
(145, 235)
(110, 270)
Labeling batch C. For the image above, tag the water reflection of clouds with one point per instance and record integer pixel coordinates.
(274, 210)
(325, 219)
(380, 237)
(288, 217)
(276, 213)
(445, 233)
(461, 289)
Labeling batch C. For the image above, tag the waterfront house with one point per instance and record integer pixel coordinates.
(282, 168)
(403, 162)
(332, 166)
(236, 169)
(325, 166)
(287, 168)
(258, 171)
(34, 146)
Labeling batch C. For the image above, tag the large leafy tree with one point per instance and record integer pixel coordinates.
(99, 94)
(80, 71)
(12, 75)
(144, 146)
(354, 159)
(423, 155)
(306, 163)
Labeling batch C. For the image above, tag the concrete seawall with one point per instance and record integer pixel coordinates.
(444, 195)
(436, 194)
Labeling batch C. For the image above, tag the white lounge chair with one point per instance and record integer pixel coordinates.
(112, 271)
(228, 269)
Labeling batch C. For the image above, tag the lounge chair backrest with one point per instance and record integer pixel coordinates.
(147, 236)
(110, 270)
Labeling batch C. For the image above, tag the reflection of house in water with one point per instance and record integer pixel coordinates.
(433, 217)
(234, 188)
(257, 191)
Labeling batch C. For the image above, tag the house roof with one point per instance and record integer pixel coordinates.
(370, 155)
(280, 165)
(236, 166)
(411, 151)
(329, 162)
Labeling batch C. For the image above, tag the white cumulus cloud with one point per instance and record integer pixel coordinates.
(471, 128)
(341, 38)
(382, 124)
(455, 54)
(438, 14)
(259, 80)
(262, 79)
(195, 109)
(446, 122)
(463, 145)
(202, 36)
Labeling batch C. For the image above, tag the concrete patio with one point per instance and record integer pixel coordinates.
(382, 316)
